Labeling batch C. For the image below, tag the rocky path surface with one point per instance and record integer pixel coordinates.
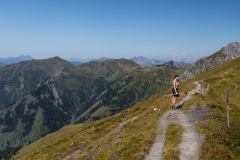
(189, 147)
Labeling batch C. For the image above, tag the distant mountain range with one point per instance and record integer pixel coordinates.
(11, 60)
(174, 65)
(139, 60)
(146, 62)
(74, 61)
(178, 57)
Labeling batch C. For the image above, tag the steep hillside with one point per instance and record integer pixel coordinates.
(130, 133)
(225, 54)
(41, 96)
(18, 80)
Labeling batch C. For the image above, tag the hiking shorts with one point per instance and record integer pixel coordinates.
(174, 93)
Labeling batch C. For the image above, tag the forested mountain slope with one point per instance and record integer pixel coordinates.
(41, 96)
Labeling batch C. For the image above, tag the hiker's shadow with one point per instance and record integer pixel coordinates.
(179, 106)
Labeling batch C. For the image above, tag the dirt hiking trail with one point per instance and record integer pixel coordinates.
(190, 145)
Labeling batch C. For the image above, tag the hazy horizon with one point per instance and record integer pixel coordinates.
(176, 57)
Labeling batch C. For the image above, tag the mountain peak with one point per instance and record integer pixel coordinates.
(232, 50)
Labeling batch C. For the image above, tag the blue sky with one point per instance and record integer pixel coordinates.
(116, 28)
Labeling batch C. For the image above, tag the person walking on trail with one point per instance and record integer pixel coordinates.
(175, 92)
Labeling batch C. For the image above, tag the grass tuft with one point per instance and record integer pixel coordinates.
(173, 139)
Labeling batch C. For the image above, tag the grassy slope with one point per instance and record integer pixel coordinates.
(115, 138)
(111, 138)
(221, 142)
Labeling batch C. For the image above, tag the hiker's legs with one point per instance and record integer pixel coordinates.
(174, 102)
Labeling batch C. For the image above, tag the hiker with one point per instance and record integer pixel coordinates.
(175, 92)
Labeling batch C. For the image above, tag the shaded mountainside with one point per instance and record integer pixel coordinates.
(41, 96)
(131, 133)
(227, 53)
(18, 80)
(174, 65)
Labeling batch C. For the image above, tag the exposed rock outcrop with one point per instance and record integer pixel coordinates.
(231, 51)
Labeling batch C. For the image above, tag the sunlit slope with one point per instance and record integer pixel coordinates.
(127, 135)
(130, 133)
(221, 142)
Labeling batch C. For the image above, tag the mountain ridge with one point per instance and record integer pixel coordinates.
(11, 60)
(173, 65)
(231, 51)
